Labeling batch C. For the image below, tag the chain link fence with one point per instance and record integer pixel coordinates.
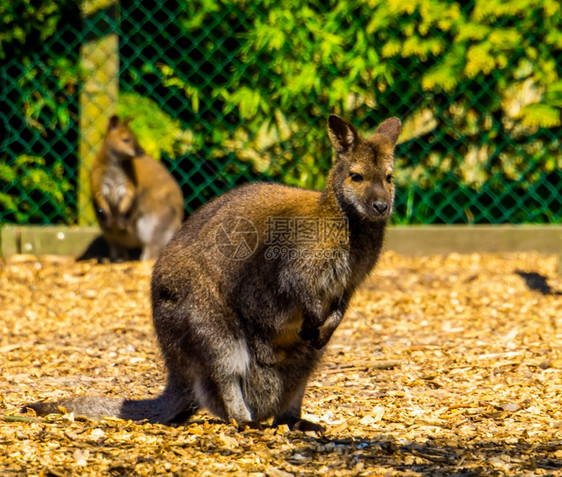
(225, 92)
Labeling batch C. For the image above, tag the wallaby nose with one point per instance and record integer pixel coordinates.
(380, 206)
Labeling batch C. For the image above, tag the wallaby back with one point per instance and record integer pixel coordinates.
(247, 295)
(137, 202)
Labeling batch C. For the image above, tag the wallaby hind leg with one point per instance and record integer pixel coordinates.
(224, 398)
(150, 251)
(218, 383)
(155, 232)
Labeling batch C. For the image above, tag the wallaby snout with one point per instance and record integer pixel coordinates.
(380, 206)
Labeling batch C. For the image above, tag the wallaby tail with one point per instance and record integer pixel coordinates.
(161, 409)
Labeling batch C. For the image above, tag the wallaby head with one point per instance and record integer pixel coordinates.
(362, 177)
(121, 140)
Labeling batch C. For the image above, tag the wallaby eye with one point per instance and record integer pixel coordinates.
(126, 139)
(389, 178)
(355, 177)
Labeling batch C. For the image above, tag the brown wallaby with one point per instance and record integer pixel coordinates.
(246, 296)
(137, 202)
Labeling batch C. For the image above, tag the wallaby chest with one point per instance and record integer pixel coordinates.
(116, 184)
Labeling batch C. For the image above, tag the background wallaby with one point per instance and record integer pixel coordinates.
(137, 202)
(241, 328)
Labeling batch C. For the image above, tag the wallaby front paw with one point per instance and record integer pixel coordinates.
(309, 334)
(298, 424)
(305, 426)
(319, 342)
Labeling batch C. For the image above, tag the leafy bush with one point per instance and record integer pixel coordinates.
(158, 131)
(40, 190)
(480, 96)
(241, 91)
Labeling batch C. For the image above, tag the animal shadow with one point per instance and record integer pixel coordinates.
(429, 457)
(537, 282)
(98, 249)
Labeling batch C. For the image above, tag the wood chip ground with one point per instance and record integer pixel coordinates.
(443, 366)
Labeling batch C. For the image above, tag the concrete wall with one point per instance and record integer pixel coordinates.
(411, 241)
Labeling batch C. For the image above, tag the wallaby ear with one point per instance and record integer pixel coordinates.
(113, 122)
(343, 135)
(391, 128)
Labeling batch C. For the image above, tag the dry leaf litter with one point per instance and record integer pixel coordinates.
(443, 365)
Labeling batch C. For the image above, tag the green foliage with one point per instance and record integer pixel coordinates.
(480, 75)
(47, 92)
(157, 131)
(40, 82)
(29, 189)
(24, 19)
(236, 91)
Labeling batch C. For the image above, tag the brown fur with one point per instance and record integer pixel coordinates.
(137, 202)
(242, 333)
